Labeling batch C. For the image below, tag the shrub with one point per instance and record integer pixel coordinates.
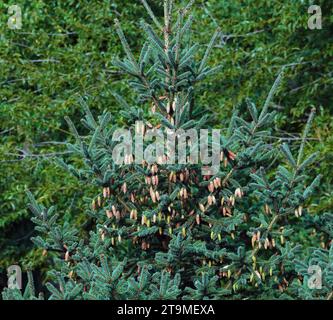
(162, 230)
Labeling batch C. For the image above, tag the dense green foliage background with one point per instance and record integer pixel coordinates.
(63, 54)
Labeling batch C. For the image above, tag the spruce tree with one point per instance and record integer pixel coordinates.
(174, 231)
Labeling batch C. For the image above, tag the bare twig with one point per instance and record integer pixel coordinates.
(25, 154)
(42, 60)
(6, 130)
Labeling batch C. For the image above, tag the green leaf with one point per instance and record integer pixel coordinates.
(285, 149)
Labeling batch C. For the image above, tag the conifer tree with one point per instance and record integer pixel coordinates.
(173, 231)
